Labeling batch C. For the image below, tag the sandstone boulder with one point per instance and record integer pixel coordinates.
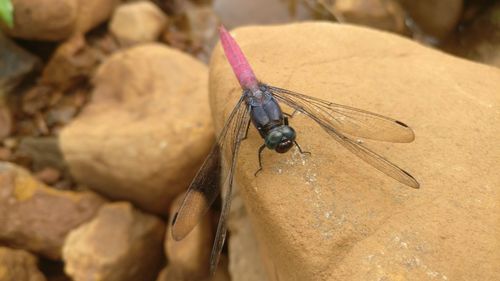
(330, 216)
(36, 217)
(146, 130)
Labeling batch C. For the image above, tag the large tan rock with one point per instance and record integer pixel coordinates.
(120, 243)
(54, 20)
(146, 130)
(18, 265)
(36, 217)
(330, 216)
(245, 259)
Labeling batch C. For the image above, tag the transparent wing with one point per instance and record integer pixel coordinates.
(240, 131)
(352, 121)
(316, 112)
(205, 187)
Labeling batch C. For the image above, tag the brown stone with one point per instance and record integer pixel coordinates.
(48, 175)
(137, 22)
(54, 20)
(330, 216)
(72, 62)
(120, 243)
(18, 265)
(146, 130)
(245, 259)
(435, 18)
(380, 14)
(36, 217)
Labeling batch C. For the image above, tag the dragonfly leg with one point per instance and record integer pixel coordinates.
(261, 148)
(290, 115)
(246, 132)
(300, 149)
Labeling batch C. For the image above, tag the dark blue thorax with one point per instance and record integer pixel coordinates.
(265, 111)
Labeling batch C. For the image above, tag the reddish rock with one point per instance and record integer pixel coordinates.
(48, 175)
(36, 217)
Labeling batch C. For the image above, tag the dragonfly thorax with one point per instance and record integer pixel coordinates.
(280, 138)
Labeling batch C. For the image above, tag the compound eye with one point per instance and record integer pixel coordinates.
(273, 139)
(288, 132)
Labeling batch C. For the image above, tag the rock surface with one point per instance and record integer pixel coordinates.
(120, 243)
(146, 130)
(137, 22)
(18, 265)
(36, 217)
(330, 216)
(245, 260)
(54, 20)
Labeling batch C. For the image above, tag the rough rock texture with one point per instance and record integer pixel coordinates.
(57, 19)
(189, 258)
(120, 243)
(245, 260)
(137, 22)
(18, 265)
(330, 216)
(36, 217)
(146, 130)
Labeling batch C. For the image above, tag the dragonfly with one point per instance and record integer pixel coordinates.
(259, 105)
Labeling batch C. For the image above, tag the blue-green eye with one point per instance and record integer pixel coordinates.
(288, 132)
(273, 139)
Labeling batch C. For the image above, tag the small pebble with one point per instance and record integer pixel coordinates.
(48, 175)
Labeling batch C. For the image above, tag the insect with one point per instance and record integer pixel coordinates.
(259, 105)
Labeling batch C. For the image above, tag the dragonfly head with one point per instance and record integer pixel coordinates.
(280, 138)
